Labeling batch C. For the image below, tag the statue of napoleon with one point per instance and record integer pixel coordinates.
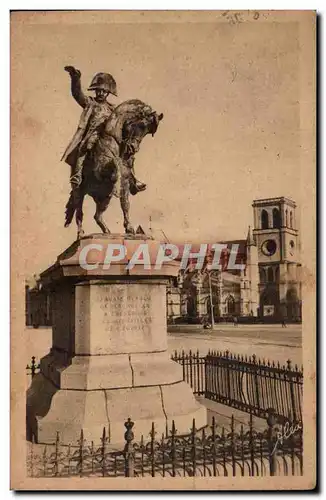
(101, 153)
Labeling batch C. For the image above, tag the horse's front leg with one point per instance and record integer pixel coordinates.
(125, 205)
(78, 201)
(101, 206)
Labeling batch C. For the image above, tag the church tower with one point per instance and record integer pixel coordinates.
(276, 236)
(252, 275)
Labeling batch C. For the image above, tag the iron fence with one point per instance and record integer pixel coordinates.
(246, 383)
(273, 452)
(241, 382)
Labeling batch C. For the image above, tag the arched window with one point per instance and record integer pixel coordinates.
(291, 220)
(230, 305)
(276, 218)
(286, 218)
(264, 220)
(270, 275)
(277, 274)
(262, 275)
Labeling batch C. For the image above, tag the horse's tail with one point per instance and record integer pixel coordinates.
(70, 210)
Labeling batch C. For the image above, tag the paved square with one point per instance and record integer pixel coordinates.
(266, 341)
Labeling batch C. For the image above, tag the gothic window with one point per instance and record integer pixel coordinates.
(270, 275)
(262, 275)
(276, 218)
(286, 219)
(291, 220)
(230, 304)
(277, 274)
(264, 220)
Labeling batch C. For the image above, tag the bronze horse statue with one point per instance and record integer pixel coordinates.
(109, 165)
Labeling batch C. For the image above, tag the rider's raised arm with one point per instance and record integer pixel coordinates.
(76, 89)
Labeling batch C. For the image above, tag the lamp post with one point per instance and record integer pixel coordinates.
(211, 273)
(211, 299)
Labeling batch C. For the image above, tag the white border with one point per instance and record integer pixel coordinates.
(4, 200)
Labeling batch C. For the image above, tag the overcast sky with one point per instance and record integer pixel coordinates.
(230, 134)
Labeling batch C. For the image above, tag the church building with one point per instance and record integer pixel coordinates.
(267, 289)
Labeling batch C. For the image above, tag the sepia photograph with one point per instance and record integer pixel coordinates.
(163, 250)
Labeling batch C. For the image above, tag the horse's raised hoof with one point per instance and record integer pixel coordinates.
(129, 229)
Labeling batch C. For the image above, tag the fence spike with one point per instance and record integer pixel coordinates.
(254, 358)
(289, 364)
(193, 430)
(250, 422)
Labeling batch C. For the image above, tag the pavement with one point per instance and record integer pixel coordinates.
(223, 417)
(269, 342)
(266, 341)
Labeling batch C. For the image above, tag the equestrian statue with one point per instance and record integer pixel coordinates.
(102, 152)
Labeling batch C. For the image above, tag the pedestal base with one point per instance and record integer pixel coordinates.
(109, 359)
(67, 411)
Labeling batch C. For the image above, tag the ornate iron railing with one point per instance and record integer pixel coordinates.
(241, 382)
(275, 451)
(246, 383)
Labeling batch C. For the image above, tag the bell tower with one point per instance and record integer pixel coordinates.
(276, 237)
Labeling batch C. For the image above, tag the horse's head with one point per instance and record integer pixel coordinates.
(136, 128)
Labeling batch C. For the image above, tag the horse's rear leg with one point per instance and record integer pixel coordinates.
(101, 206)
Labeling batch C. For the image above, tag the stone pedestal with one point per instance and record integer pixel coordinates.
(109, 358)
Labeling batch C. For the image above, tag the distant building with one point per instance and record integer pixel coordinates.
(38, 309)
(268, 288)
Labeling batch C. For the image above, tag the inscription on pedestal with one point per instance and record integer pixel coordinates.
(132, 313)
(125, 318)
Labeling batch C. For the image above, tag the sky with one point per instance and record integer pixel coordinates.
(231, 130)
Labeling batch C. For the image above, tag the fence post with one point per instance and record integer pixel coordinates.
(104, 441)
(254, 361)
(32, 367)
(128, 449)
(207, 374)
(294, 413)
(193, 447)
(56, 459)
(81, 453)
(173, 448)
(272, 440)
